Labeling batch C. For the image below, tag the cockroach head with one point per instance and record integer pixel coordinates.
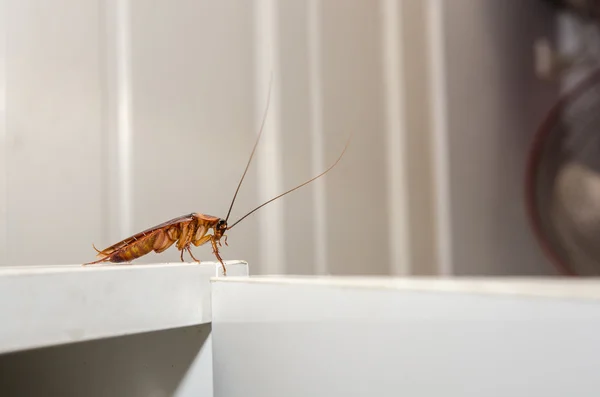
(222, 225)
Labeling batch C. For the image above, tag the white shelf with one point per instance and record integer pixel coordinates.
(298, 336)
(543, 287)
(52, 305)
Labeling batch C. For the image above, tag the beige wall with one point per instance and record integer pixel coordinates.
(123, 114)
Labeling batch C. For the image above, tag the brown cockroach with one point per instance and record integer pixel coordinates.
(189, 229)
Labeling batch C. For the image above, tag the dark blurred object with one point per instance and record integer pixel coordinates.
(588, 9)
(563, 181)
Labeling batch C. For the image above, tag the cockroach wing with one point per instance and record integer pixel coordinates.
(140, 235)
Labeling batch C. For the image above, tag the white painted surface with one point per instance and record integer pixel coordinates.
(268, 162)
(395, 91)
(193, 117)
(171, 363)
(52, 305)
(118, 115)
(3, 141)
(354, 103)
(418, 337)
(419, 161)
(54, 195)
(440, 133)
(315, 73)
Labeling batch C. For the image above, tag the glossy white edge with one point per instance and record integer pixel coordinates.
(543, 287)
(43, 306)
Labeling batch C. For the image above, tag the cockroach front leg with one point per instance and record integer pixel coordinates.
(225, 236)
(216, 253)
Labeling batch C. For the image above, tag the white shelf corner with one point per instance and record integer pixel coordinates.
(44, 306)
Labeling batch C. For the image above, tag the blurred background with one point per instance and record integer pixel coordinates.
(118, 115)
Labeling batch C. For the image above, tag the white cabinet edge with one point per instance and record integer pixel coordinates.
(541, 287)
(51, 305)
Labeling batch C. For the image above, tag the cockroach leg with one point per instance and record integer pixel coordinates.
(225, 240)
(216, 253)
(192, 255)
(94, 262)
(181, 256)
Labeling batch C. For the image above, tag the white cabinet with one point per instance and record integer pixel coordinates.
(414, 337)
(108, 331)
(174, 330)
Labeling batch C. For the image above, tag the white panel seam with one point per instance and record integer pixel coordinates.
(315, 73)
(396, 134)
(269, 162)
(440, 146)
(3, 138)
(117, 118)
(124, 116)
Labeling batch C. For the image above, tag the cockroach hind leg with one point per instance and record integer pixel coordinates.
(94, 262)
(192, 255)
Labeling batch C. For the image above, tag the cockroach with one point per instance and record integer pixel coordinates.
(190, 229)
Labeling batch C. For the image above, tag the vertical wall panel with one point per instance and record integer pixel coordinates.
(495, 103)
(299, 215)
(353, 104)
(53, 118)
(193, 121)
(268, 165)
(3, 142)
(399, 216)
(419, 156)
(117, 121)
